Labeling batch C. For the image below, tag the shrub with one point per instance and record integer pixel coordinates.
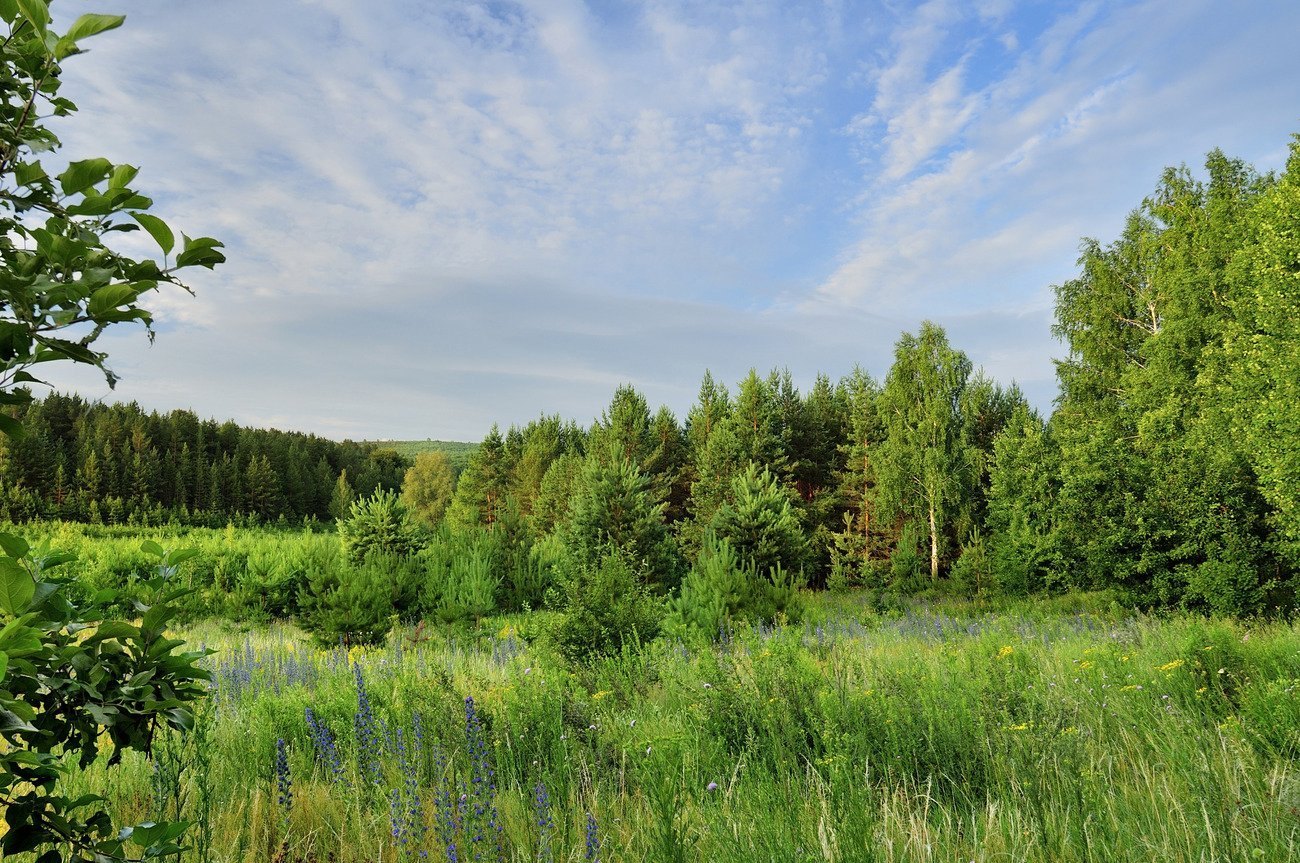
(378, 525)
(459, 576)
(606, 608)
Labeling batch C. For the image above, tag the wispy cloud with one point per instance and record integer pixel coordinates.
(441, 215)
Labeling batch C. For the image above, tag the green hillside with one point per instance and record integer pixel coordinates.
(458, 452)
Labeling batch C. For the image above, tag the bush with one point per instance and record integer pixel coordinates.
(607, 607)
(357, 603)
(459, 576)
(378, 524)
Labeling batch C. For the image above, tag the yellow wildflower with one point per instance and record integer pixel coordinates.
(1005, 651)
(1170, 666)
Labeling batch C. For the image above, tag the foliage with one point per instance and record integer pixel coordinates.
(357, 602)
(87, 461)
(1157, 495)
(427, 488)
(607, 607)
(72, 677)
(1262, 376)
(483, 486)
(761, 524)
(462, 575)
(923, 465)
(614, 513)
(378, 524)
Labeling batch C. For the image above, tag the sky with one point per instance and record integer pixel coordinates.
(443, 215)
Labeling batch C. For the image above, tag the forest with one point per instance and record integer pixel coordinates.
(1166, 472)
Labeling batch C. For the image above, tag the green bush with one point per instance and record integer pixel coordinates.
(607, 607)
(379, 524)
(460, 578)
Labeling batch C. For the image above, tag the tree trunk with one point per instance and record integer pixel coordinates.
(934, 546)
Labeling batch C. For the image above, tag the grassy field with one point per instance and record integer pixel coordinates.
(1038, 733)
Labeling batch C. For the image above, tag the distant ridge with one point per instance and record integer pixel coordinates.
(458, 452)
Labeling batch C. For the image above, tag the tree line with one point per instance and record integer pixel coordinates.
(116, 464)
(1167, 471)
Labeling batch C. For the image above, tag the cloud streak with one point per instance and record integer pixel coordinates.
(443, 215)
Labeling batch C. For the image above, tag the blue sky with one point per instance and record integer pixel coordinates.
(443, 215)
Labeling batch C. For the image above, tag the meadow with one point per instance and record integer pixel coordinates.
(1057, 730)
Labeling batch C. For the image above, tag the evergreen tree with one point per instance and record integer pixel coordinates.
(483, 486)
(614, 512)
(862, 539)
(761, 524)
(342, 499)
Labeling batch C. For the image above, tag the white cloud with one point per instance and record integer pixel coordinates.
(444, 214)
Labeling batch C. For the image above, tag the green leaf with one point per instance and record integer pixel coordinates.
(26, 173)
(92, 205)
(157, 229)
(200, 252)
(71, 350)
(108, 298)
(37, 12)
(153, 548)
(92, 23)
(16, 586)
(14, 546)
(4, 665)
(122, 175)
(82, 175)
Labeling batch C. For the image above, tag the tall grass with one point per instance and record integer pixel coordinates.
(958, 735)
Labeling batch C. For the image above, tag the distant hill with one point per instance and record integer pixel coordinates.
(458, 452)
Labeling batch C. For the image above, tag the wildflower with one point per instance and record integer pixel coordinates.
(647, 752)
(593, 843)
(326, 749)
(283, 782)
(1006, 651)
(712, 786)
(545, 824)
(1087, 663)
(708, 685)
(1170, 666)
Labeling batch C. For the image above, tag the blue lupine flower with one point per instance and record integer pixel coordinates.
(593, 842)
(283, 782)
